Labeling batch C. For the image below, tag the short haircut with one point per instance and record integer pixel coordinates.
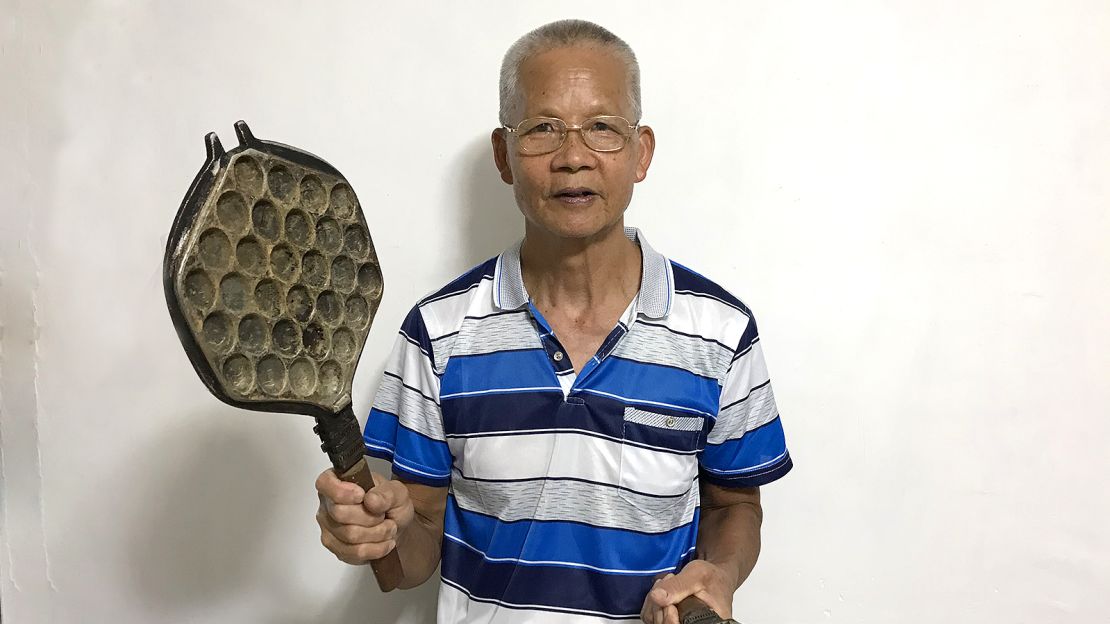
(564, 33)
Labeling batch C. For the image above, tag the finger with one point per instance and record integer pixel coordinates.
(330, 486)
(351, 514)
(385, 497)
(670, 615)
(355, 554)
(673, 588)
(358, 534)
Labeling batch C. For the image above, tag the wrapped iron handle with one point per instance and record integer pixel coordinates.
(693, 611)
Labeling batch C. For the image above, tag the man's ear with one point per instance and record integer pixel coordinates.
(501, 155)
(646, 139)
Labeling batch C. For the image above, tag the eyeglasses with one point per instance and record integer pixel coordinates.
(542, 135)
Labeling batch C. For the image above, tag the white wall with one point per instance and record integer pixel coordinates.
(912, 196)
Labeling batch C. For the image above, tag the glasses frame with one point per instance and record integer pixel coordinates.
(567, 128)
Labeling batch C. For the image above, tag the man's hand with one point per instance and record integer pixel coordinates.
(707, 581)
(360, 526)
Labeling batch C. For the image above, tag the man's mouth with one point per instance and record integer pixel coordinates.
(576, 195)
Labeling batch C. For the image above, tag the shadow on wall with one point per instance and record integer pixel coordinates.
(212, 488)
(491, 221)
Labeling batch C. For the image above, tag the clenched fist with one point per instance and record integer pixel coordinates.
(361, 526)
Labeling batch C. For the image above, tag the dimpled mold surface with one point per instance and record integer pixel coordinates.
(279, 281)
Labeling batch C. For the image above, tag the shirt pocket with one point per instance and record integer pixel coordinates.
(659, 463)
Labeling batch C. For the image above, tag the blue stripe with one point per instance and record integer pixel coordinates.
(557, 589)
(504, 370)
(648, 384)
(764, 476)
(412, 452)
(755, 451)
(569, 544)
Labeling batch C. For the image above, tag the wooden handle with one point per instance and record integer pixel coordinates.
(387, 569)
(693, 611)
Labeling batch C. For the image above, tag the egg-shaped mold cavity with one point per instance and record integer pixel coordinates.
(199, 290)
(214, 249)
(282, 184)
(342, 201)
(248, 174)
(231, 210)
(266, 221)
(234, 292)
(271, 375)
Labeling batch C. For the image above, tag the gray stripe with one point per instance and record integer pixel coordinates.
(501, 332)
(651, 419)
(442, 349)
(656, 345)
(574, 501)
(413, 410)
(755, 411)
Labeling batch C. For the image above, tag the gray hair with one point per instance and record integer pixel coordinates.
(559, 34)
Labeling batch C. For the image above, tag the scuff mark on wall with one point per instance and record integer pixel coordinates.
(36, 330)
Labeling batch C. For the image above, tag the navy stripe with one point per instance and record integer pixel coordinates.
(763, 477)
(691, 282)
(415, 331)
(464, 282)
(745, 350)
(556, 588)
(532, 607)
(530, 413)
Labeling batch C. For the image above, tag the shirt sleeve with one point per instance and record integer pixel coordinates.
(405, 425)
(746, 446)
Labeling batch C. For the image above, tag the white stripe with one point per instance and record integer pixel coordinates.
(445, 315)
(497, 391)
(387, 449)
(569, 455)
(746, 373)
(710, 318)
(411, 468)
(587, 432)
(457, 607)
(562, 564)
(642, 402)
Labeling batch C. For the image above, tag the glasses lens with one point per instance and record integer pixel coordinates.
(541, 134)
(606, 134)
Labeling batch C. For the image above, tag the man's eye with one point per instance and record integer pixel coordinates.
(601, 126)
(542, 128)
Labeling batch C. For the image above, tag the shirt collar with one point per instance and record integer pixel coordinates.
(656, 281)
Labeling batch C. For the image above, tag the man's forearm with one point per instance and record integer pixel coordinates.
(728, 533)
(419, 550)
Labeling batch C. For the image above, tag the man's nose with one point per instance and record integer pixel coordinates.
(574, 154)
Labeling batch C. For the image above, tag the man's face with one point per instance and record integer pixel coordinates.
(573, 192)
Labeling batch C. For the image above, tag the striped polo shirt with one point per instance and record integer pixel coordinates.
(570, 492)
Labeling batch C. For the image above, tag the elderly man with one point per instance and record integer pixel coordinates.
(585, 422)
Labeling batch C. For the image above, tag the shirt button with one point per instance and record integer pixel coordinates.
(670, 421)
(558, 356)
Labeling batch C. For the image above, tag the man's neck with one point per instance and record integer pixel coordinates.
(577, 276)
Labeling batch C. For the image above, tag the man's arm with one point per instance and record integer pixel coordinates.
(727, 549)
(359, 527)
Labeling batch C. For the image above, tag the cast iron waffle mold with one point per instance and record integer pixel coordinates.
(271, 277)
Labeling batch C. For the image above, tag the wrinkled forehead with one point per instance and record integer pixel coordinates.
(579, 80)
